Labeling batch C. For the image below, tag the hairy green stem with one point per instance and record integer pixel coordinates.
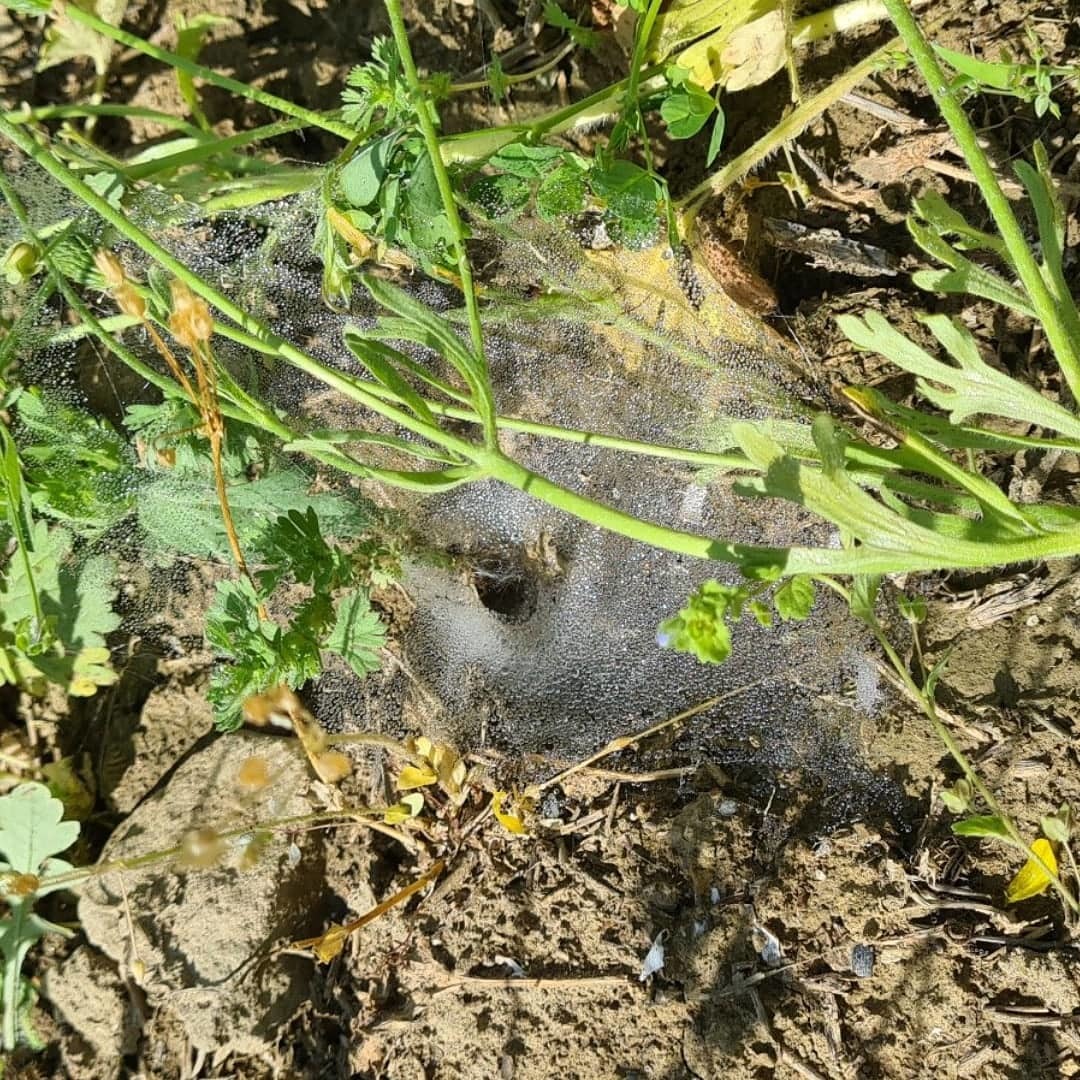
(207, 147)
(271, 101)
(788, 128)
(926, 703)
(66, 112)
(1063, 337)
(428, 118)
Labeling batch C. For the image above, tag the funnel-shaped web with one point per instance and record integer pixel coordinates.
(540, 632)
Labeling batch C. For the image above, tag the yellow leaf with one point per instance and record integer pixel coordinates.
(422, 746)
(409, 807)
(509, 820)
(327, 946)
(1033, 879)
(413, 776)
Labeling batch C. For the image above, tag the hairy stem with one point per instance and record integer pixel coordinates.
(1061, 330)
(271, 101)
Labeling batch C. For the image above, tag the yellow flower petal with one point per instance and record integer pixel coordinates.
(1033, 879)
(510, 821)
(409, 807)
(413, 776)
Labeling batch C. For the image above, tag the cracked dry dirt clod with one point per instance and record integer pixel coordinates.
(207, 936)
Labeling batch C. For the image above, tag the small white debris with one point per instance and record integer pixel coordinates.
(768, 946)
(714, 895)
(293, 854)
(516, 970)
(700, 926)
(654, 958)
(727, 808)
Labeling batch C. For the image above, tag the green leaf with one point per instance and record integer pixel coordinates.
(362, 176)
(990, 827)
(496, 79)
(31, 835)
(182, 514)
(294, 546)
(973, 387)
(501, 197)
(67, 40)
(32, 829)
(190, 36)
(383, 362)
(376, 87)
(958, 797)
(686, 110)
(716, 138)
(912, 608)
(358, 633)
(795, 598)
(984, 73)
(1057, 827)
(526, 161)
(584, 36)
(702, 627)
(562, 192)
(1049, 217)
(429, 227)
(863, 597)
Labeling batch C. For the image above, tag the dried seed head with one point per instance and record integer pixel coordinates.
(253, 850)
(331, 766)
(191, 321)
(22, 885)
(110, 268)
(201, 848)
(123, 292)
(253, 775)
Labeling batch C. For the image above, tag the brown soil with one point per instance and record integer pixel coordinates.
(875, 949)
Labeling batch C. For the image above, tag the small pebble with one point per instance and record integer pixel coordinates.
(862, 961)
(727, 808)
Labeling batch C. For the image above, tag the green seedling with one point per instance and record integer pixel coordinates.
(31, 836)
(1033, 82)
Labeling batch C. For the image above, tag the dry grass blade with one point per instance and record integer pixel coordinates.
(330, 943)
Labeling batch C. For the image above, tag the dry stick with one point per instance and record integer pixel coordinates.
(623, 741)
(336, 934)
(584, 982)
(214, 423)
(788, 128)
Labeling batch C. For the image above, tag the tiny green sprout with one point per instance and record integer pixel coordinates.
(702, 626)
(958, 797)
(1058, 827)
(20, 263)
(912, 609)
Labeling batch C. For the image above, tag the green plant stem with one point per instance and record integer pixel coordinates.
(788, 128)
(271, 101)
(209, 146)
(554, 59)
(66, 112)
(1063, 340)
(427, 118)
(926, 703)
(949, 553)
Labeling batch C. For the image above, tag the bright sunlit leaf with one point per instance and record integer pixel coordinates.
(510, 820)
(1033, 880)
(409, 807)
(416, 776)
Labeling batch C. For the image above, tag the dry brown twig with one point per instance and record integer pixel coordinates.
(193, 326)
